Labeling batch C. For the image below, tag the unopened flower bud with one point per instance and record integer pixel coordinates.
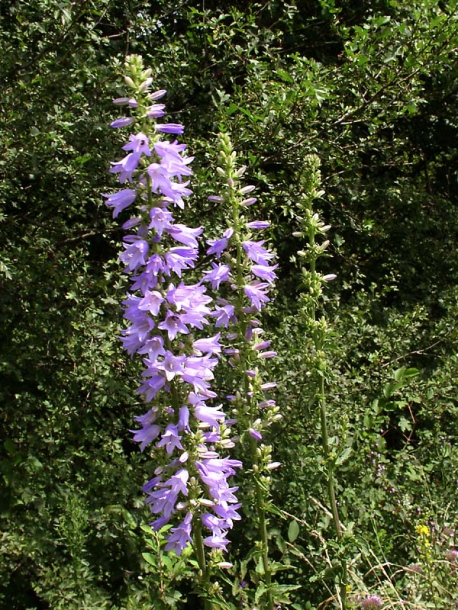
(156, 95)
(266, 355)
(206, 502)
(273, 465)
(247, 189)
(269, 386)
(248, 202)
(145, 84)
(227, 443)
(255, 434)
(261, 346)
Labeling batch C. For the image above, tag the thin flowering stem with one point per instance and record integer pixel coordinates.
(326, 451)
(318, 338)
(312, 228)
(200, 552)
(252, 410)
(249, 275)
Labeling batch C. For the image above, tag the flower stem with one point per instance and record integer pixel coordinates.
(313, 227)
(330, 484)
(327, 457)
(262, 526)
(200, 552)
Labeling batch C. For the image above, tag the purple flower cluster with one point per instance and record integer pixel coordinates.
(244, 268)
(257, 281)
(371, 602)
(163, 312)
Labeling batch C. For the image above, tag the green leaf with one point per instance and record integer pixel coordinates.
(405, 373)
(231, 108)
(150, 558)
(260, 591)
(280, 593)
(281, 545)
(293, 531)
(285, 76)
(343, 457)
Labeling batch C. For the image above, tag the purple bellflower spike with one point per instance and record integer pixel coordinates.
(123, 101)
(176, 167)
(269, 354)
(178, 259)
(216, 524)
(255, 434)
(178, 192)
(165, 498)
(188, 297)
(160, 179)
(183, 419)
(162, 311)
(170, 150)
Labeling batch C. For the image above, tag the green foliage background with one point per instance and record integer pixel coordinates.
(371, 88)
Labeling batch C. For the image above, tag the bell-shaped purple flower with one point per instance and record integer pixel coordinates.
(181, 536)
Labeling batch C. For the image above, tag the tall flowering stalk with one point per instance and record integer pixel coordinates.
(244, 274)
(185, 429)
(314, 231)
